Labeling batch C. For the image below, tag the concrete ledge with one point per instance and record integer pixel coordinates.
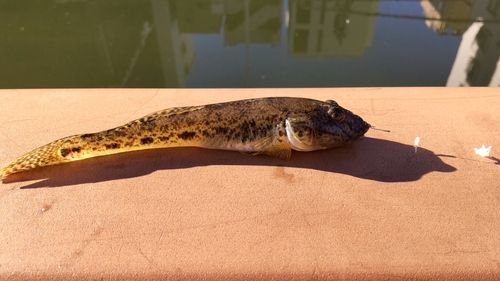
(372, 210)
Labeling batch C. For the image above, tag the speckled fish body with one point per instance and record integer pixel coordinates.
(272, 126)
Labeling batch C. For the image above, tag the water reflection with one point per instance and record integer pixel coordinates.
(249, 43)
(478, 58)
(328, 28)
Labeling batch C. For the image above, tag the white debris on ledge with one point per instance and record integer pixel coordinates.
(483, 151)
(415, 143)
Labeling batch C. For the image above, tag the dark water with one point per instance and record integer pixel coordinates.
(249, 43)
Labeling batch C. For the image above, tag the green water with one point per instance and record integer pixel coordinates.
(248, 43)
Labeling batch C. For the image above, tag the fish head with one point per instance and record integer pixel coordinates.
(328, 126)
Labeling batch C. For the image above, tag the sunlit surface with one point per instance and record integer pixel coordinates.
(249, 43)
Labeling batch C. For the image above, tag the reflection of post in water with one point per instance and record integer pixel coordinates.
(341, 10)
(332, 28)
(477, 62)
(253, 21)
(144, 35)
(176, 48)
(341, 19)
(242, 21)
(248, 61)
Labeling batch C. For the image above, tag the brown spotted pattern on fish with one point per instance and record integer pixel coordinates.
(272, 126)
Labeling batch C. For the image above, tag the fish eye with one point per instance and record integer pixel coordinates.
(336, 113)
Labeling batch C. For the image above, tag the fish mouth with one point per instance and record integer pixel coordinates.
(368, 126)
(361, 131)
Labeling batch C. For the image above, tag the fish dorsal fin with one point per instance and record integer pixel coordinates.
(171, 111)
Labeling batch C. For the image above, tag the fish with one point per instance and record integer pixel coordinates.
(272, 126)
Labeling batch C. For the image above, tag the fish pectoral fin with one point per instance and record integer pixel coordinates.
(278, 150)
(274, 147)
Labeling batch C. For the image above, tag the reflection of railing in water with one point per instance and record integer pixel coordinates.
(424, 18)
(386, 15)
